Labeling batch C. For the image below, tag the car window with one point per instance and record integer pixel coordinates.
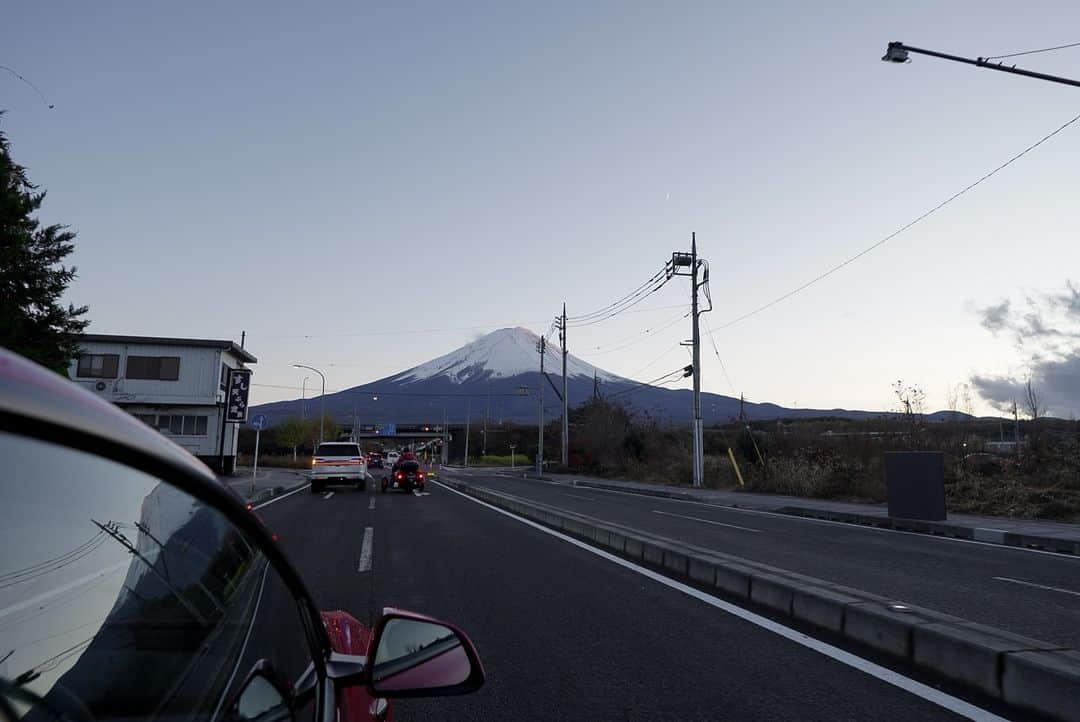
(124, 597)
(338, 450)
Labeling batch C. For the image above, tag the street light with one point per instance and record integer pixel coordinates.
(303, 398)
(322, 397)
(897, 52)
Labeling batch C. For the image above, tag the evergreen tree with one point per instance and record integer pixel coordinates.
(33, 322)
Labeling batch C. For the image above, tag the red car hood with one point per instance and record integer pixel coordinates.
(349, 636)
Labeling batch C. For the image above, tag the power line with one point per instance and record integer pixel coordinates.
(1031, 52)
(36, 88)
(897, 232)
(636, 338)
(622, 309)
(682, 373)
(600, 311)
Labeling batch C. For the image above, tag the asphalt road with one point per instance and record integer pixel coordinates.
(563, 633)
(1027, 592)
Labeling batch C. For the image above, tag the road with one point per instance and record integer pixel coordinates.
(563, 632)
(1028, 592)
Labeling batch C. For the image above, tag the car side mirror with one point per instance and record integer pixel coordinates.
(417, 656)
(262, 698)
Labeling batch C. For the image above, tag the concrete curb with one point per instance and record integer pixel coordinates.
(936, 528)
(1018, 670)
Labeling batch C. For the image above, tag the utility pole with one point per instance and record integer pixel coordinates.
(446, 438)
(468, 420)
(565, 396)
(487, 412)
(688, 264)
(540, 421)
(699, 461)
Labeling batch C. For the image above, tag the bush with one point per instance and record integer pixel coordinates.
(273, 460)
(496, 460)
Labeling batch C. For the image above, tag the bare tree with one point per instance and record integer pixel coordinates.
(1032, 402)
(1034, 407)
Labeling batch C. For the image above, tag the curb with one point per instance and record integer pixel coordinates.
(936, 528)
(1018, 670)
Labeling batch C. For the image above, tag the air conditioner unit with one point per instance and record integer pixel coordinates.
(100, 386)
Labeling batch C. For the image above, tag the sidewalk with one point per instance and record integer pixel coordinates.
(1047, 535)
(270, 482)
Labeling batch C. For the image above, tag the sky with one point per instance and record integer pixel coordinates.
(364, 186)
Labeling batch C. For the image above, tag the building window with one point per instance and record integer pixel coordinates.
(158, 368)
(178, 424)
(149, 419)
(224, 377)
(98, 366)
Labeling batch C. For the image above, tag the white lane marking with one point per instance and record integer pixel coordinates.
(283, 496)
(1038, 586)
(846, 525)
(366, 548)
(327, 495)
(576, 496)
(707, 521)
(371, 504)
(953, 704)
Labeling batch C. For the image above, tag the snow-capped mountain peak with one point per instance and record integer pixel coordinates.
(500, 354)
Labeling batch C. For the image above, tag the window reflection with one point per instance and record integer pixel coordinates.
(121, 596)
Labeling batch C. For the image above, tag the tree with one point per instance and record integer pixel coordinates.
(1034, 406)
(291, 433)
(33, 322)
(330, 429)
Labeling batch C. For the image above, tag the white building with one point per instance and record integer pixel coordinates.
(177, 385)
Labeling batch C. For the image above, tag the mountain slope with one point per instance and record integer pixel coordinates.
(486, 378)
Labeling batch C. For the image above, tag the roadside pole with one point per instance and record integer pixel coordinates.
(512, 447)
(565, 395)
(540, 402)
(259, 423)
(468, 420)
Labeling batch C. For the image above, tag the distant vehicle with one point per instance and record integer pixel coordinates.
(338, 462)
(375, 460)
(392, 458)
(406, 476)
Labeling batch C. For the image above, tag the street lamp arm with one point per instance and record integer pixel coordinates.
(322, 399)
(897, 52)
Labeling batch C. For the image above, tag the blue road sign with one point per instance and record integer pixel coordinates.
(258, 421)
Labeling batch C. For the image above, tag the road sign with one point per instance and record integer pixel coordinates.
(258, 422)
(236, 401)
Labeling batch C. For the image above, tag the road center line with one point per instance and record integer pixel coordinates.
(707, 521)
(327, 495)
(371, 504)
(1038, 586)
(576, 496)
(935, 696)
(366, 549)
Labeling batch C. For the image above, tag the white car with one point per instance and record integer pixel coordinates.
(392, 458)
(339, 462)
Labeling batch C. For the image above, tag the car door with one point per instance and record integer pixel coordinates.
(137, 592)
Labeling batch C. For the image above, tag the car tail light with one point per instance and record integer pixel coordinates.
(399, 475)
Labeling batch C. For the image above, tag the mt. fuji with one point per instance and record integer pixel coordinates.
(498, 375)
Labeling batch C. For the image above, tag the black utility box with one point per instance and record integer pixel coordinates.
(915, 484)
